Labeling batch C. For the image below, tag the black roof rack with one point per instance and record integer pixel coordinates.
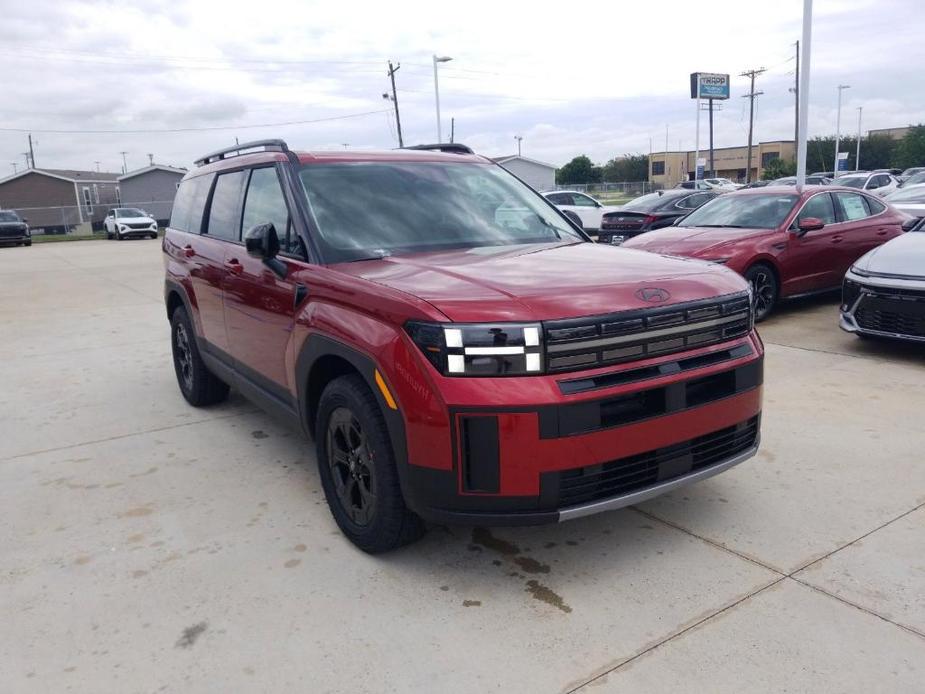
(267, 145)
(450, 147)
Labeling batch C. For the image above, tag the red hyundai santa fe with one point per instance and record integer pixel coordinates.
(458, 350)
(783, 242)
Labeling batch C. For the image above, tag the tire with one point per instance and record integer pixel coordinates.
(198, 385)
(765, 289)
(355, 454)
(27, 243)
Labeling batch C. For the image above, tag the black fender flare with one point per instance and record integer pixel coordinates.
(171, 286)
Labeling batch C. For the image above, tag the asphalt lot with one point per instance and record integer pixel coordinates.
(147, 546)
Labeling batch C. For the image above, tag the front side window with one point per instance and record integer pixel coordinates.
(853, 206)
(820, 207)
(366, 210)
(583, 201)
(225, 210)
(265, 204)
(559, 199)
(762, 211)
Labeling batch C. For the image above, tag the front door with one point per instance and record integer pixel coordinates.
(260, 304)
(813, 257)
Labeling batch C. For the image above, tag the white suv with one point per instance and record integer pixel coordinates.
(876, 183)
(587, 209)
(125, 222)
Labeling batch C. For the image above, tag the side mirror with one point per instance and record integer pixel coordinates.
(911, 224)
(810, 224)
(25, 220)
(262, 242)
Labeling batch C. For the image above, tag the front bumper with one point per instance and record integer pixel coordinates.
(891, 307)
(599, 450)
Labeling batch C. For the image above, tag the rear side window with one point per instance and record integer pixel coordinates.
(820, 207)
(189, 204)
(225, 210)
(852, 206)
(692, 202)
(265, 204)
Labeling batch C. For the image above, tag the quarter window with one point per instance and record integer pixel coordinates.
(875, 206)
(189, 204)
(265, 204)
(225, 210)
(852, 206)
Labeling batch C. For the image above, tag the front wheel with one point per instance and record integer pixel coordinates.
(357, 469)
(764, 289)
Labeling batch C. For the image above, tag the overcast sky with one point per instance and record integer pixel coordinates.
(595, 78)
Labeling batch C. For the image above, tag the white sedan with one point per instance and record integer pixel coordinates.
(589, 210)
(125, 222)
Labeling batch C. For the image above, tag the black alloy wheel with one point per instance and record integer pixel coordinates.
(764, 290)
(351, 464)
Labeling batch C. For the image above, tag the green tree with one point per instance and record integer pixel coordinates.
(877, 152)
(579, 170)
(910, 151)
(778, 168)
(629, 167)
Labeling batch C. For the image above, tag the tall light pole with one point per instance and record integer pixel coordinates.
(439, 59)
(519, 140)
(803, 96)
(841, 88)
(857, 156)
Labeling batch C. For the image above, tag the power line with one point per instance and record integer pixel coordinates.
(191, 129)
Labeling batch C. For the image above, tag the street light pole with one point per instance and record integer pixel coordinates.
(857, 156)
(803, 94)
(441, 59)
(519, 140)
(841, 88)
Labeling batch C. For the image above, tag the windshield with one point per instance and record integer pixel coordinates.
(916, 193)
(8, 217)
(763, 211)
(852, 181)
(373, 209)
(130, 212)
(650, 202)
(915, 180)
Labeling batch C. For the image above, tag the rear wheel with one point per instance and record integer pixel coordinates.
(199, 386)
(357, 469)
(764, 289)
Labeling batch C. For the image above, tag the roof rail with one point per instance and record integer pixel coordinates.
(267, 145)
(450, 147)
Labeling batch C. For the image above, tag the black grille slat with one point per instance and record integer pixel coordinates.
(636, 472)
(578, 344)
(898, 311)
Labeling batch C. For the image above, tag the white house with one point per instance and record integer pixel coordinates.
(537, 174)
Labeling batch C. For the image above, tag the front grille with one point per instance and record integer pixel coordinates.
(586, 343)
(11, 233)
(902, 313)
(636, 472)
(139, 225)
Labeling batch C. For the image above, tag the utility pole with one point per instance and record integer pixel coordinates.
(751, 74)
(150, 159)
(124, 165)
(26, 155)
(857, 156)
(519, 140)
(13, 163)
(841, 88)
(31, 151)
(97, 166)
(392, 71)
(439, 59)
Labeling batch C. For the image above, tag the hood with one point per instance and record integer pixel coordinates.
(690, 240)
(542, 282)
(904, 255)
(12, 224)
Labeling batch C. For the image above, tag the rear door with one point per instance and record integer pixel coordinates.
(260, 304)
(813, 258)
(864, 226)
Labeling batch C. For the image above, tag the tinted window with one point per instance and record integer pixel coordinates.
(820, 207)
(189, 204)
(376, 209)
(649, 202)
(583, 201)
(853, 206)
(692, 202)
(225, 211)
(560, 199)
(265, 203)
(875, 206)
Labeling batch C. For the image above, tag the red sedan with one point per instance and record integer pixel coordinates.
(785, 243)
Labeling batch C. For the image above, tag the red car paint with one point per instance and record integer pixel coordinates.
(354, 314)
(814, 261)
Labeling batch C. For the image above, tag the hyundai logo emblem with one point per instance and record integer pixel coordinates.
(654, 295)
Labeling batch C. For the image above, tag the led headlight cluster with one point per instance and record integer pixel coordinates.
(465, 349)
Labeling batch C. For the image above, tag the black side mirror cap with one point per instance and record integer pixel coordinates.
(911, 224)
(261, 241)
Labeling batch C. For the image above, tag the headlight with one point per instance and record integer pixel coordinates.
(850, 291)
(154, 225)
(122, 227)
(858, 271)
(492, 349)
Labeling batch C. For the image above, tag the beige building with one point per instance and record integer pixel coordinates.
(895, 133)
(667, 169)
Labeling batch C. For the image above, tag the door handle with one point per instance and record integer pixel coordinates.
(882, 232)
(837, 239)
(234, 266)
(189, 251)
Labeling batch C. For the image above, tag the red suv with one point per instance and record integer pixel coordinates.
(458, 349)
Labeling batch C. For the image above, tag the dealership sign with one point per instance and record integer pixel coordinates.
(709, 85)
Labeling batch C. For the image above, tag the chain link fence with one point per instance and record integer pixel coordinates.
(85, 220)
(625, 188)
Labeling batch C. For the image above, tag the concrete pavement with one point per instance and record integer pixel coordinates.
(148, 546)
